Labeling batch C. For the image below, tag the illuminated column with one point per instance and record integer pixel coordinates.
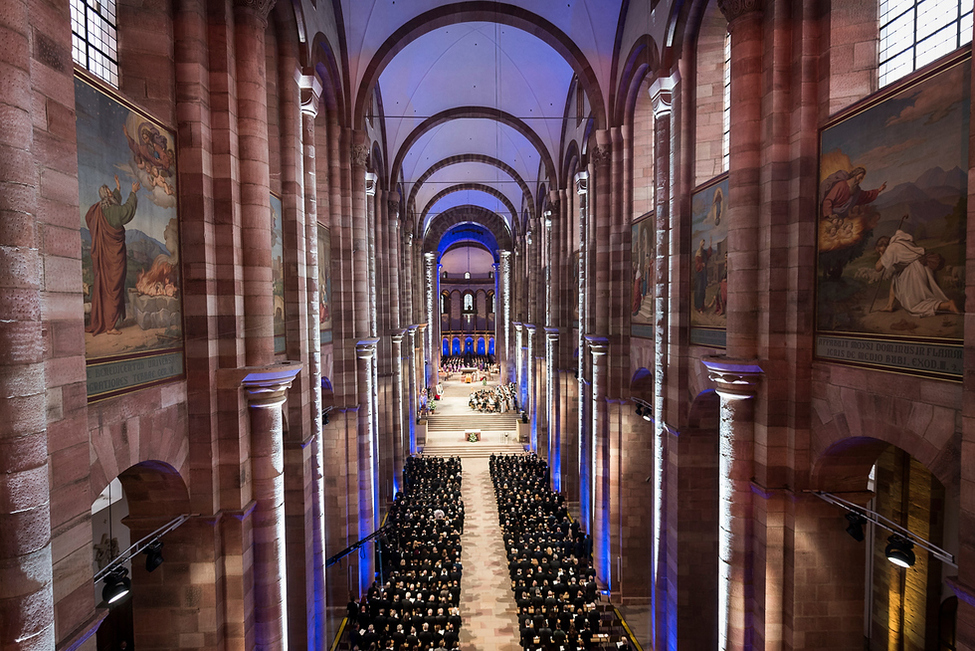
(519, 367)
(583, 426)
(433, 314)
(400, 442)
(661, 97)
(371, 194)
(505, 305)
(311, 91)
(554, 436)
(736, 383)
(412, 358)
(365, 351)
(496, 267)
(530, 380)
(266, 390)
(599, 453)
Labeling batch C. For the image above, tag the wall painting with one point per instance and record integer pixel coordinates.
(641, 294)
(277, 273)
(324, 284)
(709, 263)
(891, 228)
(129, 246)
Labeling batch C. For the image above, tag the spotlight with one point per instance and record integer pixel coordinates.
(900, 551)
(639, 410)
(117, 585)
(855, 527)
(325, 418)
(154, 555)
(647, 415)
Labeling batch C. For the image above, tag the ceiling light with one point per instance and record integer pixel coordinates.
(154, 555)
(117, 585)
(855, 527)
(900, 551)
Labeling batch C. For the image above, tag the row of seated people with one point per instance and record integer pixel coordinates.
(496, 400)
(549, 558)
(415, 606)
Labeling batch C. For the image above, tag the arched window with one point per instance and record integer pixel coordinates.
(913, 33)
(94, 38)
(726, 113)
(467, 275)
(444, 304)
(468, 302)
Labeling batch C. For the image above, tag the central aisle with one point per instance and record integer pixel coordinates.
(486, 601)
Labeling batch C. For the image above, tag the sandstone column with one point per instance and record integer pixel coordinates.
(252, 132)
(266, 389)
(503, 348)
(554, 435)
(433, 313)
(413, 404)
(736, 385)
(311, 92)
(529, 407)
(661, 97)
(598, 348)
(368, 495)
(26, 583)
(583, 426)
(399, 432)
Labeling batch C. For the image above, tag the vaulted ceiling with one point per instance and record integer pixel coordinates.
(474, 94)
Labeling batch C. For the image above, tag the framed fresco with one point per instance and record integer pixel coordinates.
(891, 219)
(709, 263)
(129, 245)
(574, 291)
(277, 273)
(324, 285)
(642, 260)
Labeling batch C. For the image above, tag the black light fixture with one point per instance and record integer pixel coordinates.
(154, 555)
(900, 551)
(647, 414)
(639, 410)
(855, 528)
(117, 585)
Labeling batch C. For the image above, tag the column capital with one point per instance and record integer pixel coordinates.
(733, 9)
(429, 256)
(598, 346)
(530, 327)
(261, 8)
(582, 182)
(359, 154)
(518, 326)
(366, 348)
(392, 205)
(310, 90)
(504, 253)
(552, 334)
(267, 386)
(601, 154)
(397, 336)
(662, 94)
(372, 180)
(734, 378)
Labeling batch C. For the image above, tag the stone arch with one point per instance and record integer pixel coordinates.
(470, 158)
(459, 214)
(323, 60)
(482, 113)
(460, 187)
(642, 60)
(483, 11)
(641, 384)
(926, 432)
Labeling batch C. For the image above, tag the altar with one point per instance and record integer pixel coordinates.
(469, 374)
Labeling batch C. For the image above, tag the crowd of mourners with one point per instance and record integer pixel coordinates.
(549, 558)
(416, 607)
(495, 400)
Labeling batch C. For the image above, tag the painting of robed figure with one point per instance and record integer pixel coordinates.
(709, 263)
(892, 213)
(130, 245)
